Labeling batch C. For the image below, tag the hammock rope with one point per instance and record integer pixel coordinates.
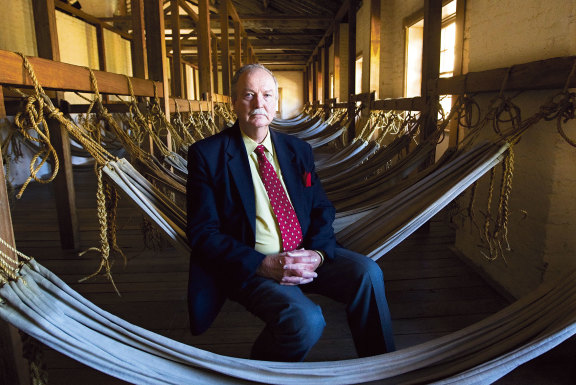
(94, 337)
(33, 120)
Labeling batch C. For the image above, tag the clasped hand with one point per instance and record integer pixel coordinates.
(291, 268)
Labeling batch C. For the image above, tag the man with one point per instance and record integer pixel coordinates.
(260, 230)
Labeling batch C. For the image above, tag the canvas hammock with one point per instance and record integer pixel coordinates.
(41, 305)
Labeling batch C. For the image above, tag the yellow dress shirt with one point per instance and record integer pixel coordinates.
(268, 237)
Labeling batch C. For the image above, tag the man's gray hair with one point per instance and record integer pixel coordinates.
(250, 68)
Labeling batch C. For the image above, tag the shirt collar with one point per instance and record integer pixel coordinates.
(251, 144)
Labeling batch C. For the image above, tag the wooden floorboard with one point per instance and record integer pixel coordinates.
(431, 292)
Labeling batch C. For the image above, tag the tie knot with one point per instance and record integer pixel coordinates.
(260, 150)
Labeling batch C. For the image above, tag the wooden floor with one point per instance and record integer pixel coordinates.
(430, 291)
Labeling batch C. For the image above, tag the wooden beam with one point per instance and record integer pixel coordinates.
(138, 46)
(281, 45)
(61, 5)
(53, 75)
(185, 105)
(400, 104)
(177, 73)
(352, 65)
(193, 15)
(205, 57)
(374, 72)
(538, 75)
(286, 35)
(225, 47)
(294, 17)
(219, 98)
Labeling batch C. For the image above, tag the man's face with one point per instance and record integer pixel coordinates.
(256, 99)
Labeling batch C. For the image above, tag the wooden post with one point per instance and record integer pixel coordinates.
(352, 66)
(13, 366)
(314, 78)
(326, 71)
(2, 106)
(237, 46)
(305, 77)
(458, 64)
(336, 42)
(156, 44)
(101, 47)
(46, 33)
(47, 42)
(156, 54)
(225, 47)
(431, 64)
(100, 41)
(374, 72)
(204, 55)
(245, 50)
(177, 76)
(139, 61)
(215, 80)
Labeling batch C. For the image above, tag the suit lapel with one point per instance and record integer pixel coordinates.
(240, 171)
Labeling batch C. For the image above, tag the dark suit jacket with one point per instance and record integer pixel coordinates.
(222, 215)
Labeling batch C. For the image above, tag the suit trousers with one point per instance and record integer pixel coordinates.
(294, 323)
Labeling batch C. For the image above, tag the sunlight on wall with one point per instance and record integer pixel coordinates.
(17, 27)
(291, 83)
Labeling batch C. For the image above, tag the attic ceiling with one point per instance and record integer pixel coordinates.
(282, 33)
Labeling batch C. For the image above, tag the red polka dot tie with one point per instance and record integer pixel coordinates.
(285, 214)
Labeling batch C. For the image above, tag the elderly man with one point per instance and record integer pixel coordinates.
(260, 230)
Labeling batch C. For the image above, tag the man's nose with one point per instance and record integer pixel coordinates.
(259, 100)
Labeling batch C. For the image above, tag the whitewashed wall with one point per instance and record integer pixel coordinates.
(543, 209)
(77, 41)
(291, 83)
(392, 45)
(118, 53)
(17, 27)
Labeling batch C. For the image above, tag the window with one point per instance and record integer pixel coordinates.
(358, 78)
(414, 39)
(332, 86)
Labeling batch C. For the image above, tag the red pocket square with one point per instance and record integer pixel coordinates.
(307, 179)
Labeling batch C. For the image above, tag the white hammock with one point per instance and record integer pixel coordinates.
(43, 306)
